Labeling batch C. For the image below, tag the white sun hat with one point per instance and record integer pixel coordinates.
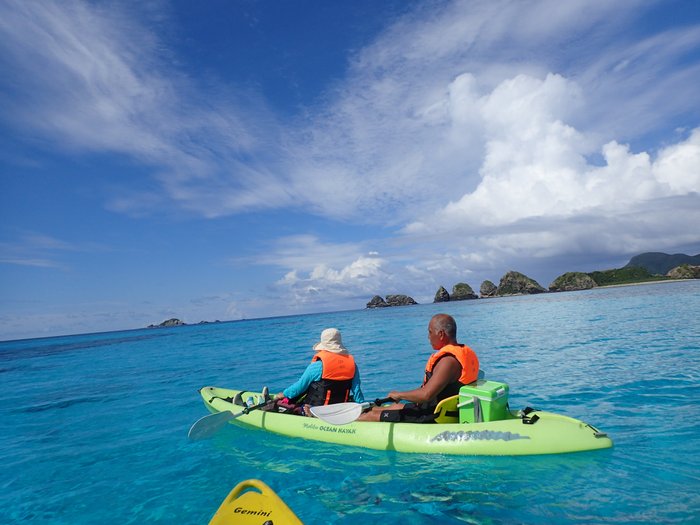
(331, 341)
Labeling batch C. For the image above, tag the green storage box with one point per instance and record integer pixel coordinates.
(483, 401)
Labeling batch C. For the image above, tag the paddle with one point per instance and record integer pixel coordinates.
(207, 426)
(344, 413)
(339, 413)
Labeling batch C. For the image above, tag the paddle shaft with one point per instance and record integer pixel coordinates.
(246, 410)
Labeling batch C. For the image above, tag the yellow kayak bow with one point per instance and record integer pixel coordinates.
(252, 502)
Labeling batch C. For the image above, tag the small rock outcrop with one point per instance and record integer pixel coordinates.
(377, 302)
(167, 323)
(399, 300)
(684, 271)
(462, 292)
(391, 300)
(441, 296)
(488, 289)
(571, 281)
(516, 283)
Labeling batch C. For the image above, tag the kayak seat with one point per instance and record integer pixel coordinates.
(446, 410)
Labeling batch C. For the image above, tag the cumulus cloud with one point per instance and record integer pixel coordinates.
(546, 174)
(354, 276)
(323, 272)
(324, 286)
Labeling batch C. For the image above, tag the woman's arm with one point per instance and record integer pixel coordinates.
(356, 389)
(312, 373)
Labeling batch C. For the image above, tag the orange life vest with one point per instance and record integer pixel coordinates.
(470, 368)
(336, 379)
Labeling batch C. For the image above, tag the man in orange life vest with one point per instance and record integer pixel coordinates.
(332, 376)
(447, 370)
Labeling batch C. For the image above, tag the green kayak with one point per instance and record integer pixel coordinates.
(487, 427)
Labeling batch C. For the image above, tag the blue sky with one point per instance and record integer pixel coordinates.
(227, 160)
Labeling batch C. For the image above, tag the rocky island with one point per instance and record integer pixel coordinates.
(512, 283)
(571, 281)
(167, 323)
(460, 292)
(176, 322)
(516, 283)
(488, 289)
(684, 271)
(391, 300)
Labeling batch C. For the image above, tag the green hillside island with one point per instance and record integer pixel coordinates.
(643, 268)
(619, 276)
(626, 275)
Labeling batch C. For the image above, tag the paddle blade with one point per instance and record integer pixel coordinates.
(207, 426)
(338, 414)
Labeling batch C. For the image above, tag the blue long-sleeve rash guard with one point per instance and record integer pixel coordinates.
(313, 373)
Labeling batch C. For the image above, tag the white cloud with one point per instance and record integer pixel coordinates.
(325, 287)
(549, 177)
(678, 166)
(41, 251)
(37, 263)
(303, 252)
(315, 267)
(360, 270)
(537, 185)
(320, 275)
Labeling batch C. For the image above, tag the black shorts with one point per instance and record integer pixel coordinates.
(410, 413)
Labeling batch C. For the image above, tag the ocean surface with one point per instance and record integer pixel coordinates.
(94, 426)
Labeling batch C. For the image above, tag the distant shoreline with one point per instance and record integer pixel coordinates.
(660, 281)
(81, 334)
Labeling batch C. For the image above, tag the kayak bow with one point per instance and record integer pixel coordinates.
(253, 502)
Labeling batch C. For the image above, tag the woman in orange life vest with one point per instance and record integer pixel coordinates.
(447, 370)
(332, 376)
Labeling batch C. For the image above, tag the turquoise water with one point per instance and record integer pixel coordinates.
(94, 426)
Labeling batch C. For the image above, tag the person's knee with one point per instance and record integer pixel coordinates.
(371, 415)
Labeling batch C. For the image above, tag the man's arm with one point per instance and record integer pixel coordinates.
(445, 372)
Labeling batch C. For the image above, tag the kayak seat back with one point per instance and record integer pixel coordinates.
(446, 410)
